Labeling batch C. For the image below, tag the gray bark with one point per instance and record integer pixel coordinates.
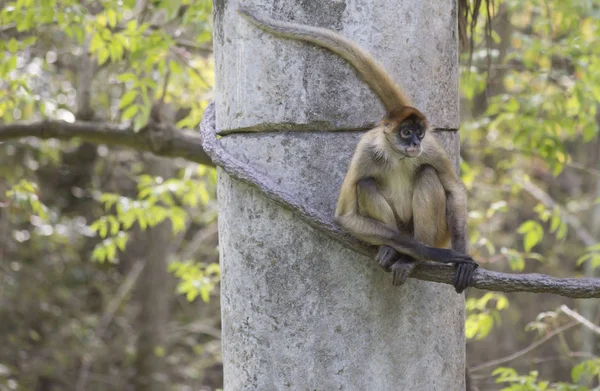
(300, 311)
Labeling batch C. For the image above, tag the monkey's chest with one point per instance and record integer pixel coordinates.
(398, 192)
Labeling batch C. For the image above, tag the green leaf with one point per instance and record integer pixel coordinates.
(128, 77)
(143, 222)
(127, 220)
(102, 54)
(562, 232)
(130, 112)
(590, 130)
(555, 220)
(583, 258)
(577, 372)
(10, 64)
(121, 241)
(114, 225)
(30, 41)
(595, 247)
(12, 45)
(128, 98)
(533, 233)
(204, 293)
(116, 51)
(111, 251)
(175, 67)
(103, 229)
(178, 222)
(111, 15)
(96, 43)
(99, 253)
(512, 106)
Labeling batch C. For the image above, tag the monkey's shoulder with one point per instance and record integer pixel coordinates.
(432, 146)
(371, 154)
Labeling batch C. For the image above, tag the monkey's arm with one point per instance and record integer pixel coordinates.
(456, 196)
(456, 210)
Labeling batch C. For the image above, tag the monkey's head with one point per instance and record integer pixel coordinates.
(405, 128)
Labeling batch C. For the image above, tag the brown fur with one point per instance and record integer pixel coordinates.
(400, 114)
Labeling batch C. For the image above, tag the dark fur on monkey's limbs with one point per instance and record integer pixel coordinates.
(435, 272)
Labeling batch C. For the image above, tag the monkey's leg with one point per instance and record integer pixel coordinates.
(434, 218)
(429, 219)
(371, 203)
(379, 233)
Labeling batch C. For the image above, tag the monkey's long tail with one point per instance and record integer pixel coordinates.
(373, 73)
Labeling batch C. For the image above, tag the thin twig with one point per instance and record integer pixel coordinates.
(584, 321)
(199, 239)
(482, 279)
(582, 233)
(522, 352)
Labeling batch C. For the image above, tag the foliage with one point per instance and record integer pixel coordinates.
(592, 256)
(157, 200)
(589, 369)
(65, 203)
(530, 163)
(547, 84)
(482, 313)
(197, 279)
(24, 196)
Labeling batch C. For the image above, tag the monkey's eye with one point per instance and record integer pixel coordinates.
(405, 133)
(420, 133)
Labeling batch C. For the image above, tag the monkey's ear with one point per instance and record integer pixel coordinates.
(389, 125)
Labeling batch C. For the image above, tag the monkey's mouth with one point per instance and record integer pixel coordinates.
(413, 152)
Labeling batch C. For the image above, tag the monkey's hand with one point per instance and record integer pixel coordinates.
(463, 275)
(401, 270)
(386, 257)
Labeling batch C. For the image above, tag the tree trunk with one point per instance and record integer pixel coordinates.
(154, 293)
(300, 311)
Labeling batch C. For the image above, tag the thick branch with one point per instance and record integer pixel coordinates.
(483, 279)
(182, 144)
(209, 152)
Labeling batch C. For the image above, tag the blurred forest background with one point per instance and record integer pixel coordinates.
(109, 272)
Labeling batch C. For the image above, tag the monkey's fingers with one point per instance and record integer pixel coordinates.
(457, 279)
(386, 257)
(463, 275)
(400, 272)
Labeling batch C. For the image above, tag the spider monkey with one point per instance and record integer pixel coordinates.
(400, 192)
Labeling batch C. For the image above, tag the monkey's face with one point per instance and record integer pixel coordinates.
(407, 137)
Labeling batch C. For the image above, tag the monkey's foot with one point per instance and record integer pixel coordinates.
(386, 257)
(401, 270)
(463, 275)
